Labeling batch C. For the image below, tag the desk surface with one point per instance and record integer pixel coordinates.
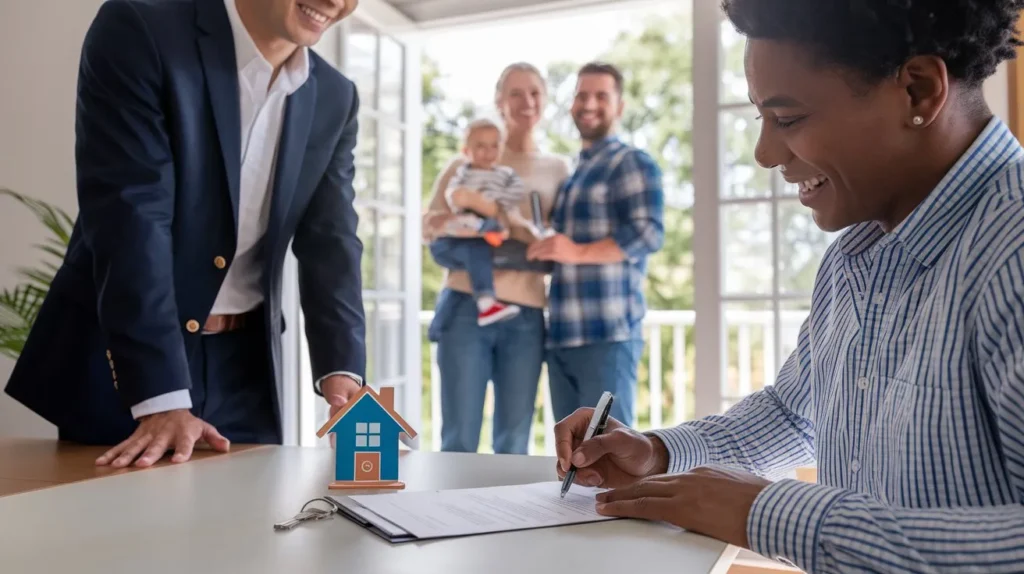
(29, 464)
(217, 515)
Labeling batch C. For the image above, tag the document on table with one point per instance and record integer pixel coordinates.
(407, 516)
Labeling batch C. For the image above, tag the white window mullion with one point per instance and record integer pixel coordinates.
(709, 334)
(777, 188)
(412, 257)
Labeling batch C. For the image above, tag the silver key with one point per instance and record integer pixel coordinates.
(304, 516)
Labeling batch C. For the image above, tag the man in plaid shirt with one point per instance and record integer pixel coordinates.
(608, 219)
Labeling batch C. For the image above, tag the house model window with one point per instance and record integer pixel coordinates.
(368, 434)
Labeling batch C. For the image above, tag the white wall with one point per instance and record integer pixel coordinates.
(38, 63)
(997, 93)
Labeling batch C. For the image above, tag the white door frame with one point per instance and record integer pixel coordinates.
(298, 401)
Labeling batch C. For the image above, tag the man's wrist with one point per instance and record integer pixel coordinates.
(174, 400)
(318, 384)
(685, 448)
(659, 464)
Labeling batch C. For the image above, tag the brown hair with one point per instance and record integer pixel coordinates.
(603, 68)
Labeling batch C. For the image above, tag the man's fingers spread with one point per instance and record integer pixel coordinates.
(132, 451)
(183, 444)
(155, 451)
(215, 439)
(111, 454)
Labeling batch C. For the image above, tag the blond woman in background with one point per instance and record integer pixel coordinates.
(509, 353)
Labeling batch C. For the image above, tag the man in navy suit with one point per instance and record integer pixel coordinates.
(209, 137)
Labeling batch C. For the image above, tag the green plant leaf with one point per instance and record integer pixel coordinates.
(19, 306)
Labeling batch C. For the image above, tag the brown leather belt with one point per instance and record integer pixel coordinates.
(225, 323)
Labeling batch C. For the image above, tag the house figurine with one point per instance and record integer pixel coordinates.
(366, 435)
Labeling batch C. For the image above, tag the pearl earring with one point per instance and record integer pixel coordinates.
(918, 120)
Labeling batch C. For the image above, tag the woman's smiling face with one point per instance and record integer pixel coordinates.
(843, 143)
(521, 100)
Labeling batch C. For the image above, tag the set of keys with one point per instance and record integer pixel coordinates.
(309, 514)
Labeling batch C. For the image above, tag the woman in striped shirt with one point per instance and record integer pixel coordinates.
(907, 384)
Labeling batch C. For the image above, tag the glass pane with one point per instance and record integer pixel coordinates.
(370, 311)
(734, 79)
(742, 177)
(375, 428)
(747, 248)
(389, 360)
(392, 236)
(750, 349)
(802, 244)
(392, 77)
(366, 230)
(365, 179)
(361, 428)
(360, 52)
(392, 164)
(792, 315)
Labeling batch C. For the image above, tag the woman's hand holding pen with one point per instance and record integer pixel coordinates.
(618, 457)
(707, 500)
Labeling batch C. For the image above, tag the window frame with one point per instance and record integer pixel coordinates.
(303, 411)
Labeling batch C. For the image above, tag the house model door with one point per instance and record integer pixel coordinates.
(368, 466)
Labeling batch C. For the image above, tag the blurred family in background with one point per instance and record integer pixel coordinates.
(545, 259)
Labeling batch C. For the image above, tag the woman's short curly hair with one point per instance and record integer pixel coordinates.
(876, 37)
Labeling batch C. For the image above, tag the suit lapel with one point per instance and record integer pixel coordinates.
(217, 51)
(297, 121)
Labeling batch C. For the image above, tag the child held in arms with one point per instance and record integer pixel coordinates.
(485, 198)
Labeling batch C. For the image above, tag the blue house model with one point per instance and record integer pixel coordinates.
(366, 432)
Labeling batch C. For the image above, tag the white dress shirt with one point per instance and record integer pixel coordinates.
(262, 106)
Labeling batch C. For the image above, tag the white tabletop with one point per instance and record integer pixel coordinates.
(217, 515)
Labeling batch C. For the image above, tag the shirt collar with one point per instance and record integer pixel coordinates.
(597, 146)
(251, 62)
(933, 224)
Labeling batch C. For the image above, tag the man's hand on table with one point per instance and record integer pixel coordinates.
(160, 432)
(713, 501)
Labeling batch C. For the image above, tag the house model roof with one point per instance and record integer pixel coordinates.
(385, 399)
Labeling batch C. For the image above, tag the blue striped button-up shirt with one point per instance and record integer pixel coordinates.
(615, 192)
(906, 388)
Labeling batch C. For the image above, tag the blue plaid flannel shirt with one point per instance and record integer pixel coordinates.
(615, 192)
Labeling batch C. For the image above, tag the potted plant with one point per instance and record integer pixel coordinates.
(19, 305)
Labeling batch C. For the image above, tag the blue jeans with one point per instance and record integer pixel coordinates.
(473, 255)
(509, 354)
(578, 375)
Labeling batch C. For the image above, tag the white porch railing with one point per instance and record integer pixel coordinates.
(750, 361)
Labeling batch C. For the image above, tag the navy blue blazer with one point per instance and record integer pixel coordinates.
(158, 168)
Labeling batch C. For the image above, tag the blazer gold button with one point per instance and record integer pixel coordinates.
(192, 325)
(220, 262)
